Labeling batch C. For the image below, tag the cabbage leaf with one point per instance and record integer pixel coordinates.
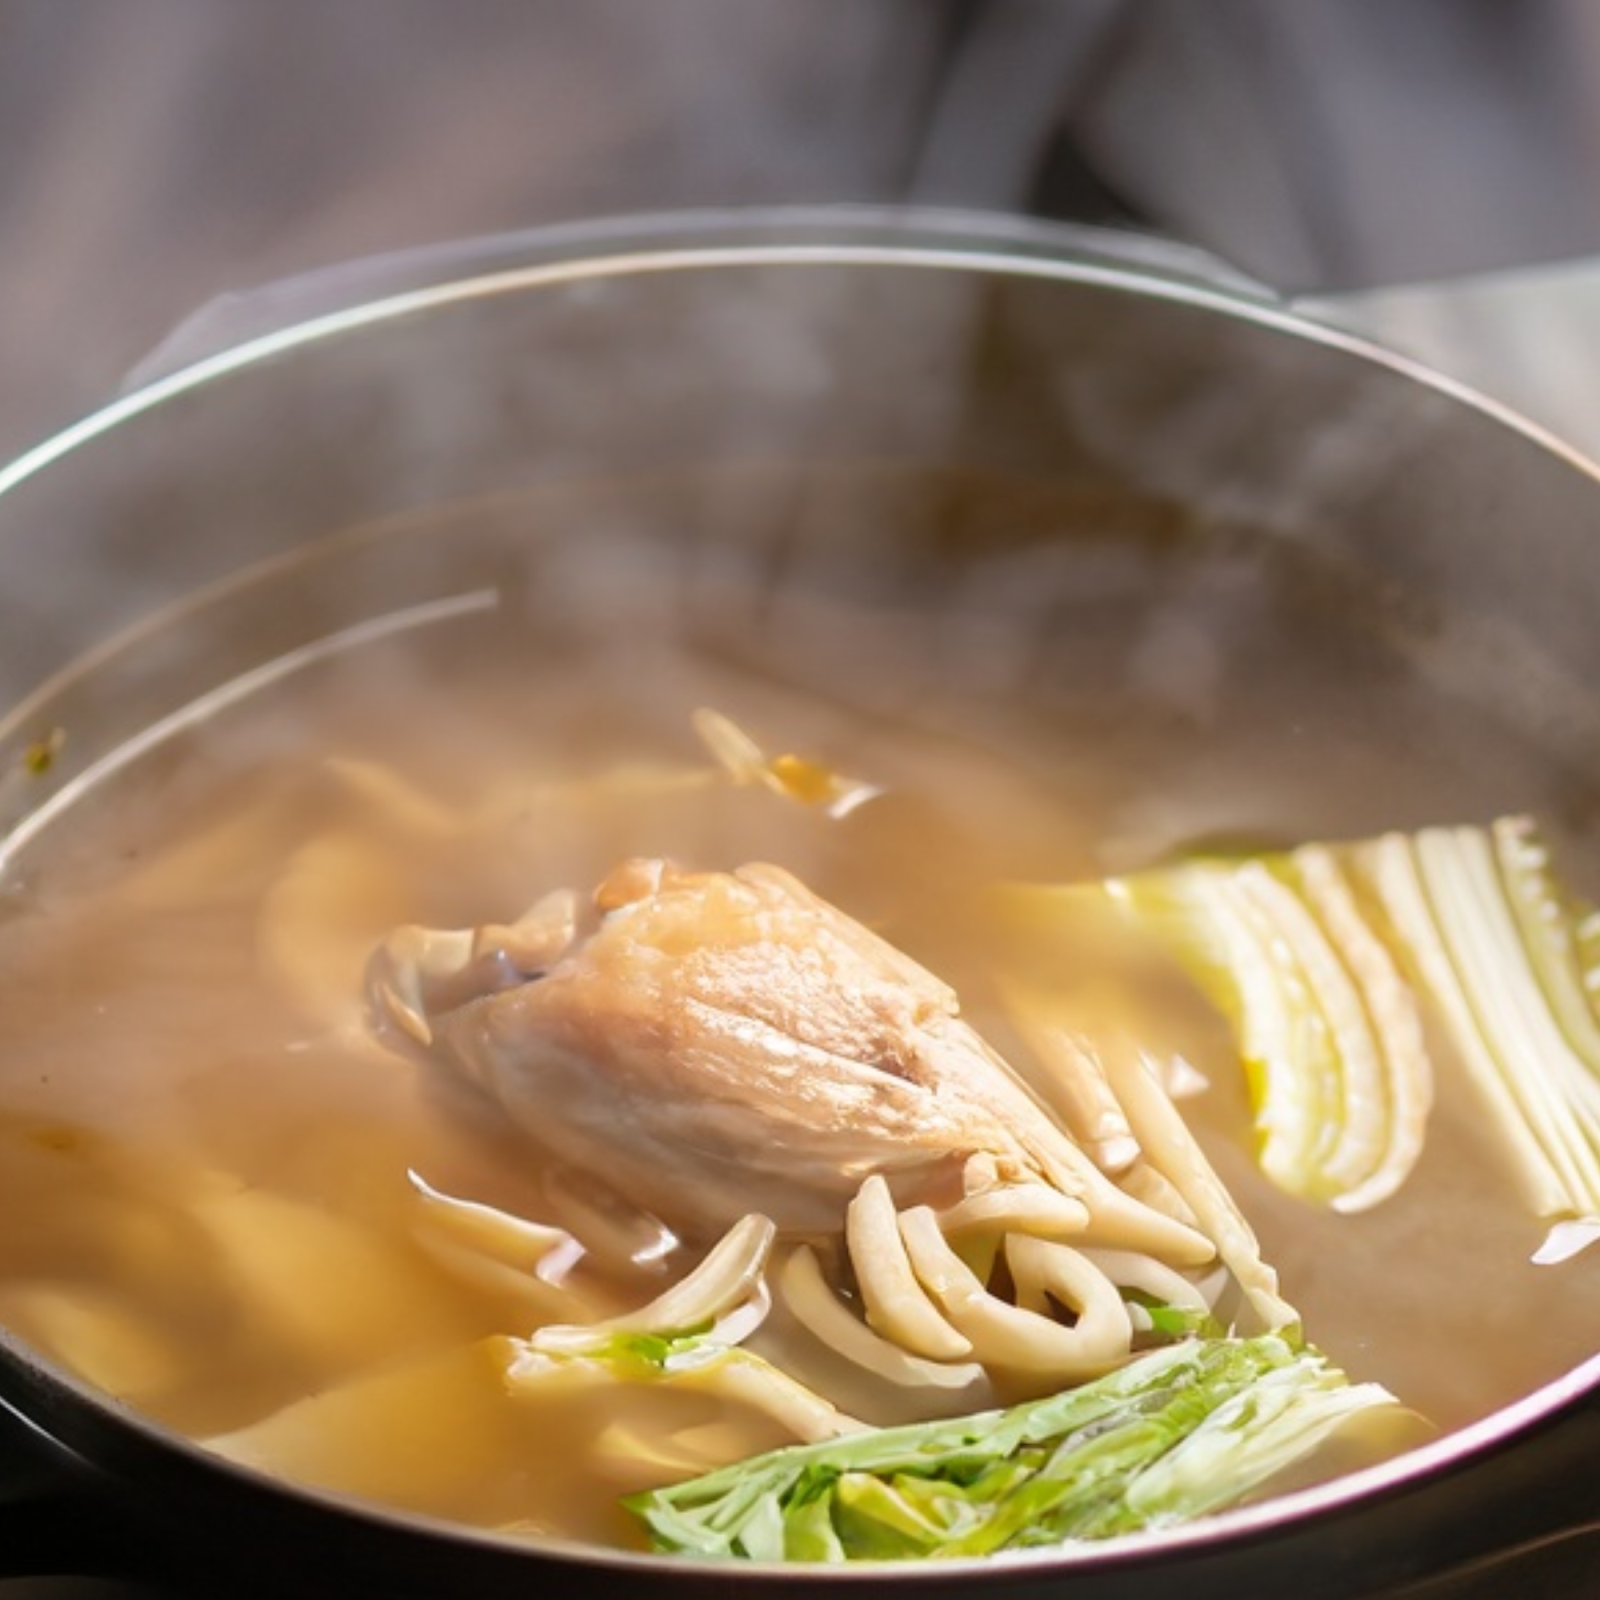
(1174, 1435)
(1337, 963)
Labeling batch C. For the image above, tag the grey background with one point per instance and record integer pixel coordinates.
(155, 154)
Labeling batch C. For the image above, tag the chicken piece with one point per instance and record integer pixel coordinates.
(713, 1042)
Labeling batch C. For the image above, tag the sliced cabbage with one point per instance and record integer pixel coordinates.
(1175, 1435)
(1506, 956)
(1334, 962)
(1329, 1030)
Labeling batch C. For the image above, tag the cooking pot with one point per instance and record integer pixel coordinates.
(1107, 466)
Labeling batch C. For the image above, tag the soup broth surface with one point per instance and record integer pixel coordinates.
(205, 1207)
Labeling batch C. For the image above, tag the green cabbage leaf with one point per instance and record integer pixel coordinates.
(1174, 1435)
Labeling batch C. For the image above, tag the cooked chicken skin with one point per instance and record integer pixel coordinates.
(713, 1042)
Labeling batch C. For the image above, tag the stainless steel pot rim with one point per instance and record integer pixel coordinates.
(917, 239)
(416, 282)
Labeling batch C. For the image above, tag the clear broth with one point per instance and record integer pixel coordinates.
(204, 1207)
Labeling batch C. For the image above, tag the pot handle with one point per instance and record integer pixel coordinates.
(1519, 337)
(1553, 1566)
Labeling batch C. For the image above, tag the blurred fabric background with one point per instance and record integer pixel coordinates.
(156, 154)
